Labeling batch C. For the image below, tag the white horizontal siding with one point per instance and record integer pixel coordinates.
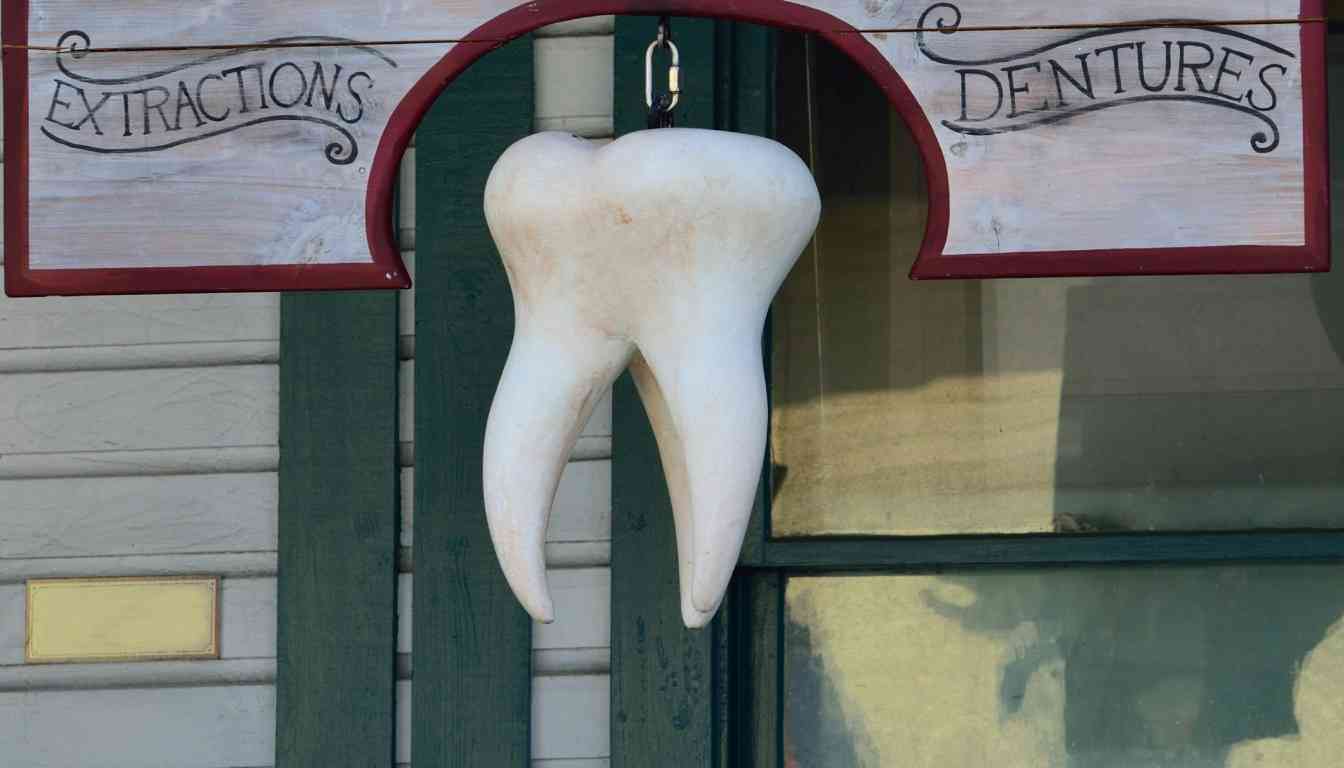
(578, 642)
(580, 519)
(133, 321)
(206, 727)
(141, 357)
(227, 524)
(234, 726)
(602, 26)
(406, 205)
(163, 462)
(98, 519)
(571, 718)
(138, 435)
(113, 411)
(594, 440)
(574, 84)
(184, 514)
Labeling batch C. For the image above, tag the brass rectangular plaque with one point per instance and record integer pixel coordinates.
(122, 619)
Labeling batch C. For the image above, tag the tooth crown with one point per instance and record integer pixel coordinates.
(686, 218)
(660, 251)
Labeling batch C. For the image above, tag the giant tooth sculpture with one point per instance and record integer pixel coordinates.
(660, 252)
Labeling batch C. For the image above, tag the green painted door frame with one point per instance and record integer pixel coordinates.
(336, 654)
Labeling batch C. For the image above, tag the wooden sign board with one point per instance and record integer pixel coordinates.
(170, 146)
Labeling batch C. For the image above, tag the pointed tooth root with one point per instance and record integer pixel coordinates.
(551, 384)
(672, 453)
(711, 388)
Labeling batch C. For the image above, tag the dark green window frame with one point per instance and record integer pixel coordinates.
(715, 698)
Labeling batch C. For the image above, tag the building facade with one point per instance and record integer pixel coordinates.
(1086, 522)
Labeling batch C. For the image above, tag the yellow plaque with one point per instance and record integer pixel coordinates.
(140, 619)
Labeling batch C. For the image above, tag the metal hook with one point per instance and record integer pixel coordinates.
(664, 40)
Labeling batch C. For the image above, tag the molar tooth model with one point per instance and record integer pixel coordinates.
(660, 252)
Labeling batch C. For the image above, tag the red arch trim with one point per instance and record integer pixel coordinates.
(532, 16)
(1313, 256)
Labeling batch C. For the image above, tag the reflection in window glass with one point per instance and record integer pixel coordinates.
(1198, 667)
(1078, 406)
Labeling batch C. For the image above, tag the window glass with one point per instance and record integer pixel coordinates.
(1175, 667)
(1071, 406)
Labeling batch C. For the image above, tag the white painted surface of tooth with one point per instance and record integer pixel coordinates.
(668, 243)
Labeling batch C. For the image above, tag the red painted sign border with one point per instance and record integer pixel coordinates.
(1314, 256)
(388, 271)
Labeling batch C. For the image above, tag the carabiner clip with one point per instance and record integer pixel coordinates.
(668, 102)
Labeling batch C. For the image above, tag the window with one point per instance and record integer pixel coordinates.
(1086, 523)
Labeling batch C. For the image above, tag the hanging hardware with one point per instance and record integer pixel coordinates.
(661, 106)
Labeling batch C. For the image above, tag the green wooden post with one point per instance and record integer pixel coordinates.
(336, 679)
(662, 680)
(473, 643)
(669, 703)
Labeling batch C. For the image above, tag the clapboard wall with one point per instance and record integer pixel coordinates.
(138, 436)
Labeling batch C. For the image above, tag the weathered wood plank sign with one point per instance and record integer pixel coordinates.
(160, 145)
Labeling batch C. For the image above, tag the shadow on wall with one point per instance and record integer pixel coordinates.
(1104, 667)
(820, 732)
(1178, 668)
(1212, 403)
(1186, 667)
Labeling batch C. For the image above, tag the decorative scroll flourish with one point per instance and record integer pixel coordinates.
(204, 98)
(1201, 63)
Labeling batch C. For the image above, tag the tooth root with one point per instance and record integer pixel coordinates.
(672, 453)
(712, 394)
(549, 388)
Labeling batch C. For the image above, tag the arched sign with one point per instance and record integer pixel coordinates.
(166, 146)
